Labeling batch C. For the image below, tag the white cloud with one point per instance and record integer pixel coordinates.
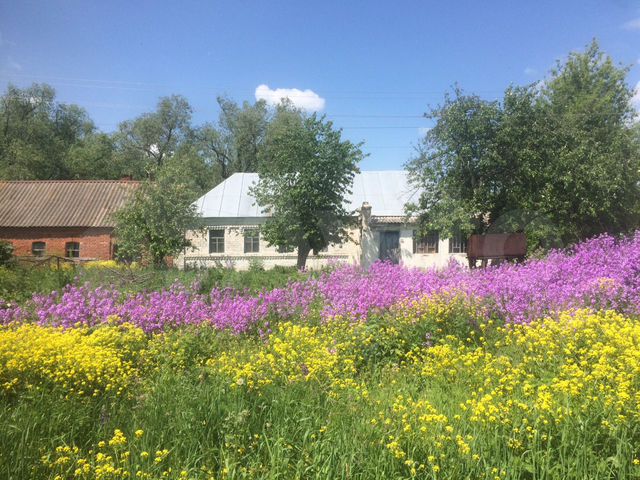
(530, 71)
(304, 99)
(632, 24)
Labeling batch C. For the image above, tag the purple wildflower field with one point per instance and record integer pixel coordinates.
(599, 273)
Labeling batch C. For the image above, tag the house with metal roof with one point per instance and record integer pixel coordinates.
(67, 218)
(384, 232)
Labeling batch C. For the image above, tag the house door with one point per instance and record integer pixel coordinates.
(390, 246)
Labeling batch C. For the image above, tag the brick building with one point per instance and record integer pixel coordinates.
(69, 218)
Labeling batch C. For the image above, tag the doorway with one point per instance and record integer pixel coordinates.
(390, 246)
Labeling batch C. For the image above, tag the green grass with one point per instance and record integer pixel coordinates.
(213, 428)
(19, 283)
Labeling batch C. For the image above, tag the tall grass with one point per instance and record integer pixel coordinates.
(460, 402)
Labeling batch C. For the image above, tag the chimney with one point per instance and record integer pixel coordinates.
(365, 215)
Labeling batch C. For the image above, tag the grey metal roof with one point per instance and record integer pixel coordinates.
(62, 203)
(386, 191)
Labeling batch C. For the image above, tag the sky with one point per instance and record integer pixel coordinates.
(372, 67)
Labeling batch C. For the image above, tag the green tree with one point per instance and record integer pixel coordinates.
(233, 145)
(593, 164)
(557, 160)
(454, 166)
(306, 169)
(145, 143)
(37, 133)
(154, 223)
(93, 158)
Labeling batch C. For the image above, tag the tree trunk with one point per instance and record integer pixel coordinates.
(159, 262)
(303, 253)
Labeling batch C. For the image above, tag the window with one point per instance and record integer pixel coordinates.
(425, 243)
(251, 241)
(216, 241)
(38, 249)
(458, 244)
(72, 249)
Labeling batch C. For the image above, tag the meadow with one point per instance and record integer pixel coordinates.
(525, 371)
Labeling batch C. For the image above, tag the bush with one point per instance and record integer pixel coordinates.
(18, 284)
(6, 253)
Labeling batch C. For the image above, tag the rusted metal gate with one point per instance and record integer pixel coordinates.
(496, 247)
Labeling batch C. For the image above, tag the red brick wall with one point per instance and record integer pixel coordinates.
(94, 242)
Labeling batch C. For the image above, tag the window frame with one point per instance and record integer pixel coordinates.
(219, 238)
(73, 247)
(426, 244)
(42, 251)
(457, 242)
(251, 240)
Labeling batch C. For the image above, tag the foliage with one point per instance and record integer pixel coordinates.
(77, 362)
(234, 144)
(18, 284)
(6, 253)
(556, 159)
(307, 170)
(554, 399)
(599, 274)
(42, 138)
(155, 221)
(38, 134)
(147, 141)
(389, 373)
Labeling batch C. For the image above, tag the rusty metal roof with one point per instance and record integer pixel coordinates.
(62, 203)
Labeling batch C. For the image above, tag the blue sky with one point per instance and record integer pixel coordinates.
(375, 66)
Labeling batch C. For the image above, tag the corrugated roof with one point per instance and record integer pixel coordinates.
(62, 203)
(387, 191)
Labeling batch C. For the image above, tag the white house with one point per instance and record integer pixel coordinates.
(233, 220)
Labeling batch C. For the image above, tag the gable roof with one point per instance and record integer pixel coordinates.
(386, 191)
(62, 203)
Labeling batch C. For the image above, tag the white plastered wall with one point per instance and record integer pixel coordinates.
(268, 256)
(427, 260)
(371, 247)
(363, 250)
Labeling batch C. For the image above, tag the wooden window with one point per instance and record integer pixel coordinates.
(251, 241)
(458, 243)
(38, 249)
(425, 243)
(72, 249)
(216, 241)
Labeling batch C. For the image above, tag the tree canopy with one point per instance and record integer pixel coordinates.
(38, 134)
(153, 224)
(305, 173)
(558, 159)
(42, 138)
(233, 145)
